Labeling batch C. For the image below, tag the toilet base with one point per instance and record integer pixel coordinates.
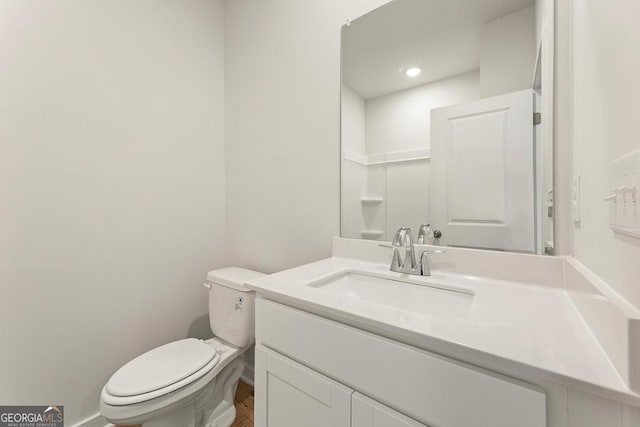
(224, 416)
(183, 417)
(213, 406)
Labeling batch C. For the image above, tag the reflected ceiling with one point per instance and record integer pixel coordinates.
(408, 33)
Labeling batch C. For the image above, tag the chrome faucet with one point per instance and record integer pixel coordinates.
(407, 264)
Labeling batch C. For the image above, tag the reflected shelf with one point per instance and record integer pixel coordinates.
(371, 234)
(371, 201)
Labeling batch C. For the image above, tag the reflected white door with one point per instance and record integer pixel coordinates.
(482, 176)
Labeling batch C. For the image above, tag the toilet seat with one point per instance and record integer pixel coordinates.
(160, 371)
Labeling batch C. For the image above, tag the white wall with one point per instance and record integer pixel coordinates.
(562, 123)
(353, 121)
(402, 120)
(606, 66)
(354, 187)
(508, 51)
(112, 187)
(283, 129)
(354, 174)
(408, 196)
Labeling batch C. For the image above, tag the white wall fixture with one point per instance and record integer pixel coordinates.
(371, 234)
(624, 175)
(371, 201)
(388, 157)
(575, 199)
(413, 72)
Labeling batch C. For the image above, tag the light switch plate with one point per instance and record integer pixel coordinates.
(624, 197)
(575, 199)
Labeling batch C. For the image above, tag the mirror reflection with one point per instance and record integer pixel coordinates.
(442, 124)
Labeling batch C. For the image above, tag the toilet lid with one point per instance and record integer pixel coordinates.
(162, 367)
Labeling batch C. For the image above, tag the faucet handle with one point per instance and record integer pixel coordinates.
(424, 232)
(425, 268)
(402, 237)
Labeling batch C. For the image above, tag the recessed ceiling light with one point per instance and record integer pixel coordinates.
(413, 72)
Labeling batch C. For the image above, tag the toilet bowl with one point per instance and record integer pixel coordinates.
(190, 382)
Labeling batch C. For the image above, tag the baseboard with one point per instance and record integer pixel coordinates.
(248, 374)
(93, 421)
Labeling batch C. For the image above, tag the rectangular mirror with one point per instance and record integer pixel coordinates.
(446, 119)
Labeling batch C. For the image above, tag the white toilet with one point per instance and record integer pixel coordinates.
(190, 382)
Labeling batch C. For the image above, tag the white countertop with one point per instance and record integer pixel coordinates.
(520, 329)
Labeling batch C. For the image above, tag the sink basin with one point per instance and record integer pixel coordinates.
(406, 296)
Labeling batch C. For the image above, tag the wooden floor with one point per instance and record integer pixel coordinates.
(244, 406)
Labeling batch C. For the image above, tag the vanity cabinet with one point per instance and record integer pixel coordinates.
(312, 371)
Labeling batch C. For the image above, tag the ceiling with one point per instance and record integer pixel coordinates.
(442, 37)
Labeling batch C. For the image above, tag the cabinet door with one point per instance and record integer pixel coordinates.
(289, 394)
(369, 413)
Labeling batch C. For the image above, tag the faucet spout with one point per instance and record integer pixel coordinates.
(407, 264)
(396, 261)
(404, 239)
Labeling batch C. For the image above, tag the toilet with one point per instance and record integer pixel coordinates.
(190, 382)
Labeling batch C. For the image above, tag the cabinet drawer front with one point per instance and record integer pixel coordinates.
(369, 413)
(432, 389)
(306, 380)
(291, 395)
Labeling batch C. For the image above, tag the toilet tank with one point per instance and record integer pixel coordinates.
(232, 305)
